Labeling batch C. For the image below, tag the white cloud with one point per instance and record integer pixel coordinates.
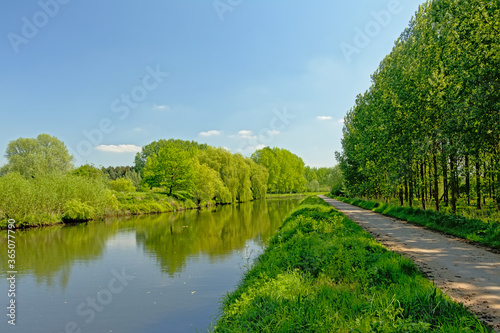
(340, 121)
(259, 147)
(324, 117)
(245, 134)
(250, 149)
(119, 148)
(273, 132)
(161, 107)
(210, 133)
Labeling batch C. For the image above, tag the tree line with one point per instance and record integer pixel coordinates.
(40, 182)
(209, 173)
(428, 128)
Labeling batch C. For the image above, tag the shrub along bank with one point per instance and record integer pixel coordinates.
(54, 198)
(483, 232)
(322, 273)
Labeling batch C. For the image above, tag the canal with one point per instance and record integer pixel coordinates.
(158, 273)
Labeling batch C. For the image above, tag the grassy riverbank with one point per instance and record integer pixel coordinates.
(484, 232)
(292, 195)
(54, 200)
(322, 273)
(83, 207)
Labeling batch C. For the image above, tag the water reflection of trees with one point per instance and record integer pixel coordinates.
(49, 253)
(173, 239)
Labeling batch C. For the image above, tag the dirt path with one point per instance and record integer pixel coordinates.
(469, 274)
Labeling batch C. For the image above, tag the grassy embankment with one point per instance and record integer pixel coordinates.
(292, 195)
(322, 273)
(484, 232)
(53, 199)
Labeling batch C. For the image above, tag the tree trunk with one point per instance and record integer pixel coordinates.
(493, 187)
(423, 191)
(407, 196)
(436, 182)
(490, 173)
(453, 184)
(478, 182)
(401, 197)
(411, 190)
(467, 179)
(497, 196)
(445, 183)
(431, 190)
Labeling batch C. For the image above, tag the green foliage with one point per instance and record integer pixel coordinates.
(242, 180)
(127, 172)
(323, 179)
(207, 183)
(429, 125)
(152, 202)
(171, 169)
(313, 186)
(135, 177)
(215, 174)
(286, 170)
(192, 174)
(42, 200)
(75, 210)
(88, 171)
(258, 177)
(152, 149)
(322, 273)
(122, 185)
(35, 157)
(118, 172)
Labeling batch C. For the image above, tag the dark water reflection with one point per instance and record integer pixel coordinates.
(159, 273)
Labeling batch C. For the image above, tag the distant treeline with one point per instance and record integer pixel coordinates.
(428, 129)
(210, 173)
(40, 185)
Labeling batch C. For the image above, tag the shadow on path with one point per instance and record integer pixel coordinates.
(468, 274)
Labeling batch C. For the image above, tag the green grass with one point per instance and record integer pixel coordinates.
(293, 195)
(322, 273)
(137, 203)
(53, 199)
(484, 232)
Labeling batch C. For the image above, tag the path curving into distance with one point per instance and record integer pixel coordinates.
(467, 273)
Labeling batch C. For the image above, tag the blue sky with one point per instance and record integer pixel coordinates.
(107, 77)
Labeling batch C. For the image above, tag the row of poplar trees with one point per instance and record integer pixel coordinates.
(429, 126)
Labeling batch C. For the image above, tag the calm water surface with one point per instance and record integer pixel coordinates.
(162, 273)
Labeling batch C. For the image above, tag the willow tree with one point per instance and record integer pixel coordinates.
(286, 170)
